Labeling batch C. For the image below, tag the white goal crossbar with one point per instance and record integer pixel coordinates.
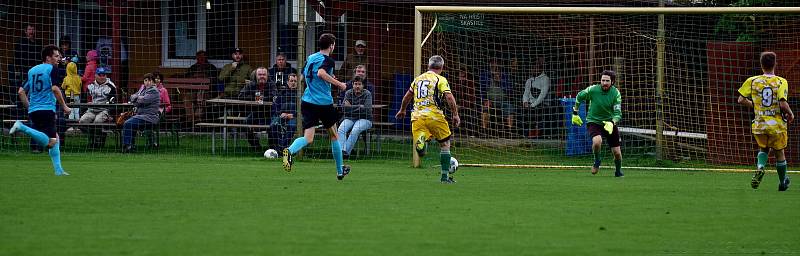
(608, 10)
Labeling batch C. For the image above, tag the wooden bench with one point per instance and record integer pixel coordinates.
(233, 118)
(224, 127)
(368, 134)
(113, 128)
(191, 93)
(376, 130)
(105, 128)
(221, 125)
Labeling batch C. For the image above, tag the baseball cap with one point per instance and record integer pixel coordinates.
(361, 43)
(239, 50)
(103, 70)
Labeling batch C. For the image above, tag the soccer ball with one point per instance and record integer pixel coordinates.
(271, 153)
(453, 165)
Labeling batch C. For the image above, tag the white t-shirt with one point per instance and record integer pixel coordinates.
(542, 83)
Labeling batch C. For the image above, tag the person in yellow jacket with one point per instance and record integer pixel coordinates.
(72, 88)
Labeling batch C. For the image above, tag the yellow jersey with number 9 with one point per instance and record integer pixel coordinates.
(766, 91)
(428, 90)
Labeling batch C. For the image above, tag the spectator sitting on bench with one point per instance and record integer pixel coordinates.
(146, 102)
(164, 105)
(278, 74)
(361, 71)
(257, 89)
(357, 105)
(496, 90)
(100, 92)
(235, 74)
(284, 111)
(203, 69)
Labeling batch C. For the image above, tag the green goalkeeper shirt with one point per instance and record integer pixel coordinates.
(603, 105)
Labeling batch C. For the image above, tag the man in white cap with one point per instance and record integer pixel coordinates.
(359, 57)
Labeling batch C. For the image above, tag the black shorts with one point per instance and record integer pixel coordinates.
(597, 129)
(44, 121)
(313, 114)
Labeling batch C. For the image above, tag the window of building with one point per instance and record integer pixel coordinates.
(285, 32)
(190, 24)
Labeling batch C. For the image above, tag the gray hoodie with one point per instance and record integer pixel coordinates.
(147, 106)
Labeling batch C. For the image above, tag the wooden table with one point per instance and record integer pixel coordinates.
(112, 126)
(230, 104)
(374, 106)
(101, 105)
(192, 94)
(113, 107)
(239, 102)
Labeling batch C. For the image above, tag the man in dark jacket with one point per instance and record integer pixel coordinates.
(260, 90)
(202, 68)
(279, 72)
(26, 55)
(26, 51)
(284, 114)
(259, 83)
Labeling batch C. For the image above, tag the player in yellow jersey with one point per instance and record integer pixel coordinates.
(767, 95)
(427, 118)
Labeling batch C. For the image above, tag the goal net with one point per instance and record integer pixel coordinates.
(515, 72)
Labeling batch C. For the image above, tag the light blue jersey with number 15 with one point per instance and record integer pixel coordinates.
(39, 88)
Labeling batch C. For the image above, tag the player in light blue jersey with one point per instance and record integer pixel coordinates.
(39, 94)
(317, 104)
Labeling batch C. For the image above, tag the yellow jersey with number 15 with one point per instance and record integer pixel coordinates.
(766, 91)
(428, 90)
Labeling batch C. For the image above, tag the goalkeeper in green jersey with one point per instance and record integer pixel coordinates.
(605, 111)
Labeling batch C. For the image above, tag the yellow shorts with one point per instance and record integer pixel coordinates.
(436, 128)
(773, 141)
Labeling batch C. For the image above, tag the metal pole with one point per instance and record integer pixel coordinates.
(591, 50)
(660, 78)
(301, 62)
(116, 46)
(417, 70)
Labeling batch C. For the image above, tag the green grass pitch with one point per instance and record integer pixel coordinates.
(191, 205)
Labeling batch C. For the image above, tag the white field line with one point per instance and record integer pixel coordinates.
(537, 166)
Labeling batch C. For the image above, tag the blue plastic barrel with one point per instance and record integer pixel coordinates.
(578, 141)
(401, 85)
